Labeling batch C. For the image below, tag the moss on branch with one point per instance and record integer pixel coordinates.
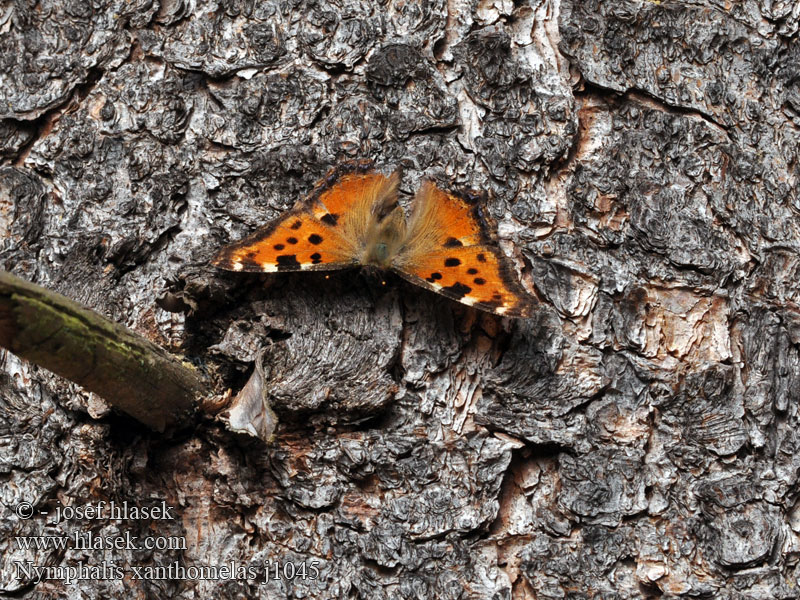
(127, 370)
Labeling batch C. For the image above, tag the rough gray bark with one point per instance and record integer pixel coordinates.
(637, 438)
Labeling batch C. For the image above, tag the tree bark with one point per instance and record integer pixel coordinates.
(636, 438)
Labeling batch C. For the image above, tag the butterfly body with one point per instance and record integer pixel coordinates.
(382, 245)
(353, 219)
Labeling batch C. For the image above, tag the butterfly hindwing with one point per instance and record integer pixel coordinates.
(324, 232)
(450, 251)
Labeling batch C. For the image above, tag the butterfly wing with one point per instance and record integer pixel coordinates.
(325, 232)
(449, 250)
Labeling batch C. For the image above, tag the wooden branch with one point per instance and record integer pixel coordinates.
(128, 371)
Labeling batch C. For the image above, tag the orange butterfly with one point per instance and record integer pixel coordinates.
(352, 218)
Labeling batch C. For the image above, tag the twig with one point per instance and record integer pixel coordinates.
(128, 371)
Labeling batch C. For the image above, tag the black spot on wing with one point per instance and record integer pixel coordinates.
(434, 277)
(472, 271)
(452, 243)
(279, 247)
(297, 224)
(316, 258)
(479, 280)
(451, 262)
(481, 257)
(457, 290)
(252, 255)
(330, 219)
(288, 261)
(315, 239)
(292, 240)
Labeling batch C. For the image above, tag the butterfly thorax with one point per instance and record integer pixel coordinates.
(380, 254)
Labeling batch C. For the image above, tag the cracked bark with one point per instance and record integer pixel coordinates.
(638, 437)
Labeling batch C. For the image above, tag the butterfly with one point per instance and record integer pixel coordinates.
(352, 218)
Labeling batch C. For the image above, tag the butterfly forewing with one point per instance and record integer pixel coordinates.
(325, 232)
(449, 250)
(294, 242)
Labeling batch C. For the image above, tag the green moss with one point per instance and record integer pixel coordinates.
(128, 371)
